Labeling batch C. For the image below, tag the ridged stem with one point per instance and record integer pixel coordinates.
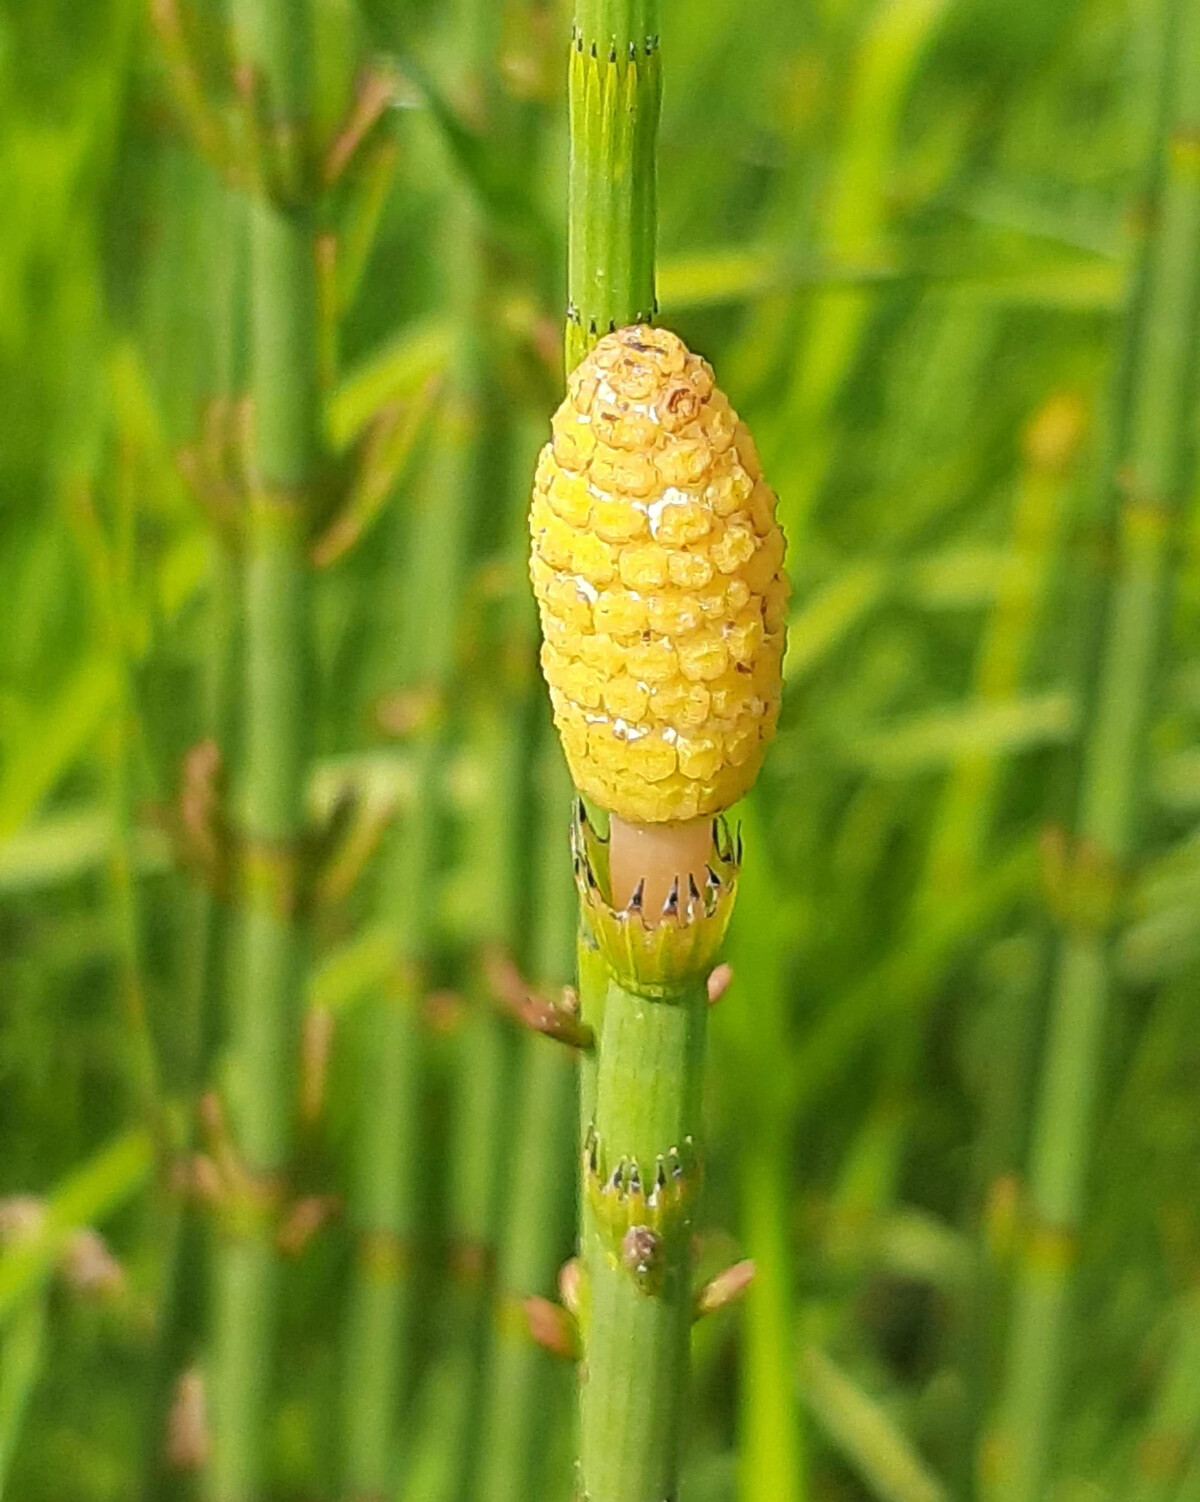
(514, 1414)
(640, 1090)
(273, 35)
(383, 1203)
(1150, 479)
(641, 1177)
(208, 916)
(384, 1206)
(615, 91)
(482, 1141)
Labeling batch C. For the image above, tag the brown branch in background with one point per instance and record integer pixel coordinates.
(558, 1020)
(375, 95)
(202, 120)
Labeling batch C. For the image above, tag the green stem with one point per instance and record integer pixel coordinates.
(615, 91)
(22, 1356)
(752, 1032)
(1169, 1440)
(965, 816)
(384, 1202)
(963, 822)
(208, 926)
(1150, 476)
(482, 1083)
(636, 1255)
(640, 1094)
(383, 1196)
(514, 1418)
(273, 36)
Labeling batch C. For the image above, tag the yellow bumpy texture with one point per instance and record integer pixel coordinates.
(658, 568)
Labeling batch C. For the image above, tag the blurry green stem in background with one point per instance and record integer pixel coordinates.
(1150, 480)
(208, 926)
(752, 1024)
(273, 36)
(22, 1353)
(964, 817)
(1174, 1423)
(515, 1402)
(384, 1207)
(481, 1132)
(966, 811)
(865, 1434)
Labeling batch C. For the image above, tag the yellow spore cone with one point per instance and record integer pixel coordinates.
(658, 568)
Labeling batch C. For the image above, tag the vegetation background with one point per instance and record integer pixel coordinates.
(943, 255)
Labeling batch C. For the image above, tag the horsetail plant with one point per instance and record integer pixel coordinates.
(273, 38)
(266, 141)
(657, 565)
(1149, 479)
(182, 1316)
(385, 1207)
(512, 1447)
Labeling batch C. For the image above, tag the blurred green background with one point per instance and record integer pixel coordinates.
(933, 249)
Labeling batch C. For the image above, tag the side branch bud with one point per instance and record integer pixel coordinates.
(552, 1327)
(726, 1288)
(558, 1020)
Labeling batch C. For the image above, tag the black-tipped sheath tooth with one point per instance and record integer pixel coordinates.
(635, 1180)
(671, 905)
(693, 891)
(639, 893)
